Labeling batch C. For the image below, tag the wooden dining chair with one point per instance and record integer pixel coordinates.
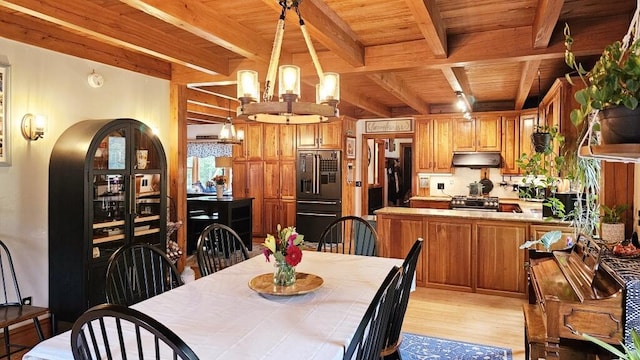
(349, 235)
(136, 272)
(13, 309)
(219, 246)
(368, 340)
(393, 334)
(112, 331)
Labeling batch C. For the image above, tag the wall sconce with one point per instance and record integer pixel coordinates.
(33, 126)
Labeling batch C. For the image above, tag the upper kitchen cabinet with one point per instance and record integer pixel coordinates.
(251, 147)
(326, 135)
(107, 188)
(279, 142)
(555, 110)
(510, 144)
(481, 133)
(433, 144)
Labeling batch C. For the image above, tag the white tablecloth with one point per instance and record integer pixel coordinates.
(220, 317)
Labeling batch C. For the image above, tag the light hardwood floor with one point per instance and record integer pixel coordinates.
(475, 318)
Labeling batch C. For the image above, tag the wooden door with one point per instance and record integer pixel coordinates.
(307, 136)
(239, 179)
(510, 144)
(271, 142)
(287, 142)
(239, 152)
(255, 181)
(401, 233)
(330, 135)
(527, 127)
(442, 145)
(423, 139)
(287, 180)
(271, 188)
(465, 134)
(253, 140)
(488, 133)
(538, 230)
(448, 254)
(500, 261)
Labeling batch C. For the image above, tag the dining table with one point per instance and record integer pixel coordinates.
(221, 317)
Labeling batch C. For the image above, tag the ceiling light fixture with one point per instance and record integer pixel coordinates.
(462, 104)
(287, 109)
(228, 133)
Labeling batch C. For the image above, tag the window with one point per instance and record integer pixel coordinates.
(201, 171)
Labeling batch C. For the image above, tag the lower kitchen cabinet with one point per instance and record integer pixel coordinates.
(278, 211)
(538, 230)
(448, 254)
(500, 261)
(406, 230)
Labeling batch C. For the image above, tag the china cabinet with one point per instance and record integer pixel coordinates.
(107, 188)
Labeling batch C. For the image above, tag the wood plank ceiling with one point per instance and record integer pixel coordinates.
(395, 57)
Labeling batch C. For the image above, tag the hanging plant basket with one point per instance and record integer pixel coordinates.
(541, 141)
(619, 125)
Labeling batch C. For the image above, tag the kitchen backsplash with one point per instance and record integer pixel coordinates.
(458, 182)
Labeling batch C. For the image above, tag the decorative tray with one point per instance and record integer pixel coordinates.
(305, 283)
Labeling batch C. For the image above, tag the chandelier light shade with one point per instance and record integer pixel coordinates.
(287, 108)
(228, 133)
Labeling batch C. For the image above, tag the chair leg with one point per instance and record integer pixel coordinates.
(36, 323)
(7, 346)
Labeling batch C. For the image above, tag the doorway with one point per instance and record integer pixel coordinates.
(374, 169)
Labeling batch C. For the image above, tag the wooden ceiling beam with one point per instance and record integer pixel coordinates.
(209, 99)
(391, 83)
(361, 100)
(96, 21)
(198, 19)
(329, 31)
(547, 15)
(458, 80)
(198, 108)
(529, 72)
(427, 16)
(485, 48)
(43, 34)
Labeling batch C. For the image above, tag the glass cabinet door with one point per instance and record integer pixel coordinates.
(109, 214)
(147, 175)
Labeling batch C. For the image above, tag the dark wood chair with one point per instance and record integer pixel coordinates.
(349, 235)
(13, 309)
(137, 272)
(219, 247)
(368, 340)
(110, 331)
(393, 338)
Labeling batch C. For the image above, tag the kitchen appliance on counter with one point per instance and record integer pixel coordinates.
(319, 191)
(486, 203)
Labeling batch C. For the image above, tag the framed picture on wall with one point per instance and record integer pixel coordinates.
(351, 147)
(5, 146)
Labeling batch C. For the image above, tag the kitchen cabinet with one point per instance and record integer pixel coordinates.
(325, 135)
(510, 144)
(277, 211)
(251, 147)
(449, 254)
(406, 230)
(279, 142)
(499, 258)
(107, 188)
(433, 138)
(481, 133)
(429, 204)
(248, 182)
(528, 121)
(279, 194)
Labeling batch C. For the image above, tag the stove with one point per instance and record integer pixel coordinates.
(485, 203)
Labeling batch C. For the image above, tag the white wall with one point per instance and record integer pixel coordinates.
(55, 85)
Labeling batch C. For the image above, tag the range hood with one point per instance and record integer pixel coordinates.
(477, 160)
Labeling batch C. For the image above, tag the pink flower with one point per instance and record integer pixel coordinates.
(266, 253)
(294, 255)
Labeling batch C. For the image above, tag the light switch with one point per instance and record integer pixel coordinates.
(424, 182)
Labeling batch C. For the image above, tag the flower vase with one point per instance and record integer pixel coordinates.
(284, 274)
(219, 191)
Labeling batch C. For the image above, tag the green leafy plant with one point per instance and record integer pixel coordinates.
(541, 170)
(547, 239)
(613, 80)
(628, 354)
(613, 215)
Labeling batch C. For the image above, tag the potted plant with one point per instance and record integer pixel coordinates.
(612, 89)
(612, 227)
(630, 352)
(541, 170)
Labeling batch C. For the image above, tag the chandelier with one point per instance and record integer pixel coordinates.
(287, 109)
(228, 133)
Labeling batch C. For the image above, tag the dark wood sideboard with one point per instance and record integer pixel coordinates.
(230, 211)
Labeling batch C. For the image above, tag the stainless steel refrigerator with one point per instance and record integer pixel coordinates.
(319, 191)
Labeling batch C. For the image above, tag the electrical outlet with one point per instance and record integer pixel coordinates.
(26, 301)
(358, 183)
(424, 182)
(440, 186)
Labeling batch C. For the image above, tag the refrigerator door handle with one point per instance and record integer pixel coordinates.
(316, 174)
(316, 214)
(317, 202)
